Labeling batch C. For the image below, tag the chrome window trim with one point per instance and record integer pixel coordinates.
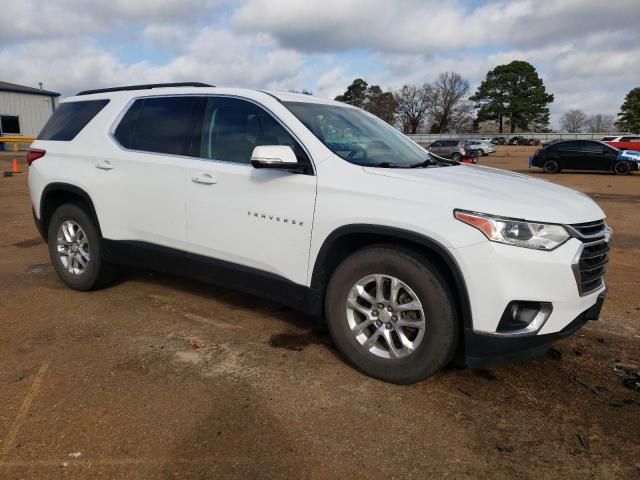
(127, 106)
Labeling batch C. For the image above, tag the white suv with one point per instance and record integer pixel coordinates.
(410, 259)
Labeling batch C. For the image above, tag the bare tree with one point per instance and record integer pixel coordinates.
(450, 109)
(600, 123)
(573, 121)
(413, 104)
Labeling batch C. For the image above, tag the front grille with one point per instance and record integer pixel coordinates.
(589, 229)
(593, 260)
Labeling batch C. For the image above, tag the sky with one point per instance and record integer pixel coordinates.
(586, 51)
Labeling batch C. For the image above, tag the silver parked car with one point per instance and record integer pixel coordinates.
(453, 149)
(483, 148)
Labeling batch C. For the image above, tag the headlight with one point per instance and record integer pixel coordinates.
(539, 236)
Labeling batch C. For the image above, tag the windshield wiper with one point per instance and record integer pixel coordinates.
(424, 163)
(386, 165)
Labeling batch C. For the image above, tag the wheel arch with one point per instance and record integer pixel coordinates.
(56, 194)
(346, 239)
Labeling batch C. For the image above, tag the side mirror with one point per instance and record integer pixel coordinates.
(279, 157)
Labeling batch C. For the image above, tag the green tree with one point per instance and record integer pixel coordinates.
(356, 93)
(629, 116)
(370, 98)
(513, 91)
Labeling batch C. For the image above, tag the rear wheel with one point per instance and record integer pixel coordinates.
(622, 167)
(456, 156)
(391, 314)
(551, 166)
(75, 249)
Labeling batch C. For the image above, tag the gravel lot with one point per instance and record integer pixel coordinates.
(160, 377)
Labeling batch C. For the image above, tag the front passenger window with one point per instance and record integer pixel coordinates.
(232, 128)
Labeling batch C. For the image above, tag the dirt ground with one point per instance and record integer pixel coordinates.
(159, 377)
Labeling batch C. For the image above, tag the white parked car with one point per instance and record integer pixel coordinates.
(485, 148)
(410, 260)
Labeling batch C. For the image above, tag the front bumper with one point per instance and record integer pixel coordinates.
(496, 274)
(483, 350)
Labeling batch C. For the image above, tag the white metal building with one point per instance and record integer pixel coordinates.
(24, 110)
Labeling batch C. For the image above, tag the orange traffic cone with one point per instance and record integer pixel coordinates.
(15, 167)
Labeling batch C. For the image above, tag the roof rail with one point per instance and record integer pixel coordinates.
(144, 87)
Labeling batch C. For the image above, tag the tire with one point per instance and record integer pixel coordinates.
(622, 167)
(432, 350)
(456, 156)
(72, 229)
(551, 166)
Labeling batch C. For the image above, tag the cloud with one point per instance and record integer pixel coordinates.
(427, 26)
(213, 56)
(586, 53)
(30, 19)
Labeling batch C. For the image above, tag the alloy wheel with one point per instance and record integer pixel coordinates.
(73, 247)
(385, 316)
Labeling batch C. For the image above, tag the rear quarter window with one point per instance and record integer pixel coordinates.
(69, 119)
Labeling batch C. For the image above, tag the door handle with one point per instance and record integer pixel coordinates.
(204, 179)
(104, 165)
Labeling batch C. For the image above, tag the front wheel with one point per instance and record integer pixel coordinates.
(456, 156)
(75, 249)
(622, 167)
(391, 314)
(551, 166)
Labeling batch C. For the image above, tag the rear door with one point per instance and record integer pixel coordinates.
(259, 219)
(144, 182)
(569, 155)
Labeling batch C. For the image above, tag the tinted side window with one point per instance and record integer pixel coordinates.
(592, 147)
(69, 119)
(232, 128)
(569, 146)
(630, 139)
(165, 125)
(127, 127)
(437, 143)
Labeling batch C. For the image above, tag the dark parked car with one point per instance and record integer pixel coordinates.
(499, 140)
(520, 140)
(582, 155)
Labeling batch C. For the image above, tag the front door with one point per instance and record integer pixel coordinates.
(259, 219)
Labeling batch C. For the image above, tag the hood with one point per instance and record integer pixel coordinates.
(498, 192)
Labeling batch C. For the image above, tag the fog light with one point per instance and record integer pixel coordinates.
(524, 317)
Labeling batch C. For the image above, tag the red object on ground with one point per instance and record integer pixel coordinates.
(15, 167)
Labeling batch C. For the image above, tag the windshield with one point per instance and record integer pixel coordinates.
(358, 137)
